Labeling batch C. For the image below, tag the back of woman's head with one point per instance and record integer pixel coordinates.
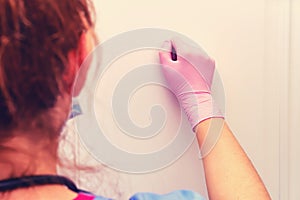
(36, 37)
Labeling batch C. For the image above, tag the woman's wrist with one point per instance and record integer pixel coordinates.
(208, 132)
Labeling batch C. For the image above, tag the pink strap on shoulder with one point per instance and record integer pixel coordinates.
(83, 196)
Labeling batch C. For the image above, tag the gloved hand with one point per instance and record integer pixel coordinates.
(190, 78)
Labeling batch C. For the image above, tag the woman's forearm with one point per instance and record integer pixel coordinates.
(229, 172)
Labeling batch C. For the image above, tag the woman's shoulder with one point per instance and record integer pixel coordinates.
(176, 195)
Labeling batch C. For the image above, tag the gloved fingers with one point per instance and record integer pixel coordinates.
(196, 56)
(165, 55)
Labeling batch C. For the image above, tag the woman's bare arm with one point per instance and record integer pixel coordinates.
(228, 170)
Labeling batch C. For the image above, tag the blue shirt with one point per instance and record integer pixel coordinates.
(177, 195)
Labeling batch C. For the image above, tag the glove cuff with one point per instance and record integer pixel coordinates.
(199, 107)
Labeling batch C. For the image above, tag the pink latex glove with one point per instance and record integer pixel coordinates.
(190, 79)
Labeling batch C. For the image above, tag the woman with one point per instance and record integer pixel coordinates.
(43, 43)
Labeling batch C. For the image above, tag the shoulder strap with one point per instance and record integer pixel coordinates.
(31, 181)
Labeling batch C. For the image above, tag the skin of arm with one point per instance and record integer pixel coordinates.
(228, 170)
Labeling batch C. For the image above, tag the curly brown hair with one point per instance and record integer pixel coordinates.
(36, 37)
